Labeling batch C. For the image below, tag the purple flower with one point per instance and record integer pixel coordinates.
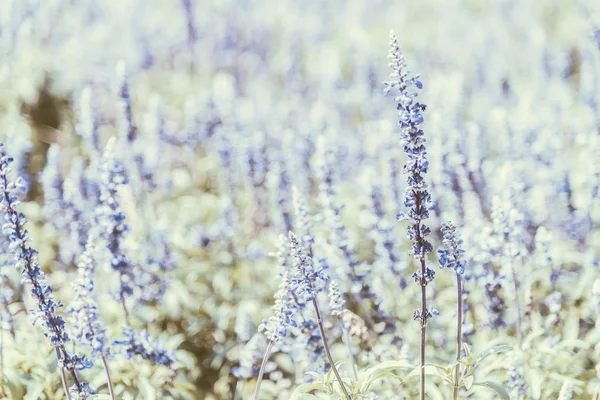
(452, 255)
(305, 281)
(87, 325)
(142, 344)
(276, 327)
(27, 261)
(417, 197)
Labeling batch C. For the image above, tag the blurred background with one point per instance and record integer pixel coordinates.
(234, 102)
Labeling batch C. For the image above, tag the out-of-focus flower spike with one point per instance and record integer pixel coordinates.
(52, 184)
(127, 127)
(336, 301)
(276, 327)
(26, 259)
(87, 124)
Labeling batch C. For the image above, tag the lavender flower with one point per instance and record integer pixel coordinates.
(26, 259)
(508, 227)
(543, 253)
(419, 315)
(140, 343)
(306, 284)
(516, 382)
(52, 183)
(305, 281)
(417, 198)
(86, 122)
(496, 305)
(248, 359)
(77, 216)
(88, 326)
(279, 184)
(382, 234)
(303, 221)
(275, 328)
(356, 327)
(336, 302)
(111, 220)
(452, 255)
(127, 127)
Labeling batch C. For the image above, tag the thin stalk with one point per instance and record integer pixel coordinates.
(421, 240)
(458, 337)
(125, 311)
(348, 345)
(423, 325)
(517, 302)
(1, 352)
(262, 369)
(108, 379)
(29, 269)
(71, 369)
(326, 346)
(238, 388)
(63, 376)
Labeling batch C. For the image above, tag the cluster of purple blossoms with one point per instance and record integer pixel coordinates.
(87, 325)
(304, 281)
(140, 343)
(336, 301)
(26, 259)
(111, 219)
(452, 255)
(497, 305)
(417, 197)
(276, 327)
(127, 127)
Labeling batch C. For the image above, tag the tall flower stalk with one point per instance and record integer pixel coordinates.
(304, 286)
(27, 260)
(507, 226)
(452, 257)
(337, 307)
(417, 197)
(276, 327)
(110, 218)
(88, 326)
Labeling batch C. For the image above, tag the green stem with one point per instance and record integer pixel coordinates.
(458, 338)
(348, 345)
(109, 380)
(262, 369)
(326, 346)
(63, 376)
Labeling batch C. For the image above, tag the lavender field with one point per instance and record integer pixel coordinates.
(245, 199)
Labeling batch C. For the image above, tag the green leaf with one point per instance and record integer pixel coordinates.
(468, 381)
(495, 387)
(491, 351)
(146, 390)
(364, 387)
(14, 385)
(318, 377)
(379, 371)
(429, 370)
(467, 349)
(390, 365)
(34, 390)
(307, 387)
(468, 355)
